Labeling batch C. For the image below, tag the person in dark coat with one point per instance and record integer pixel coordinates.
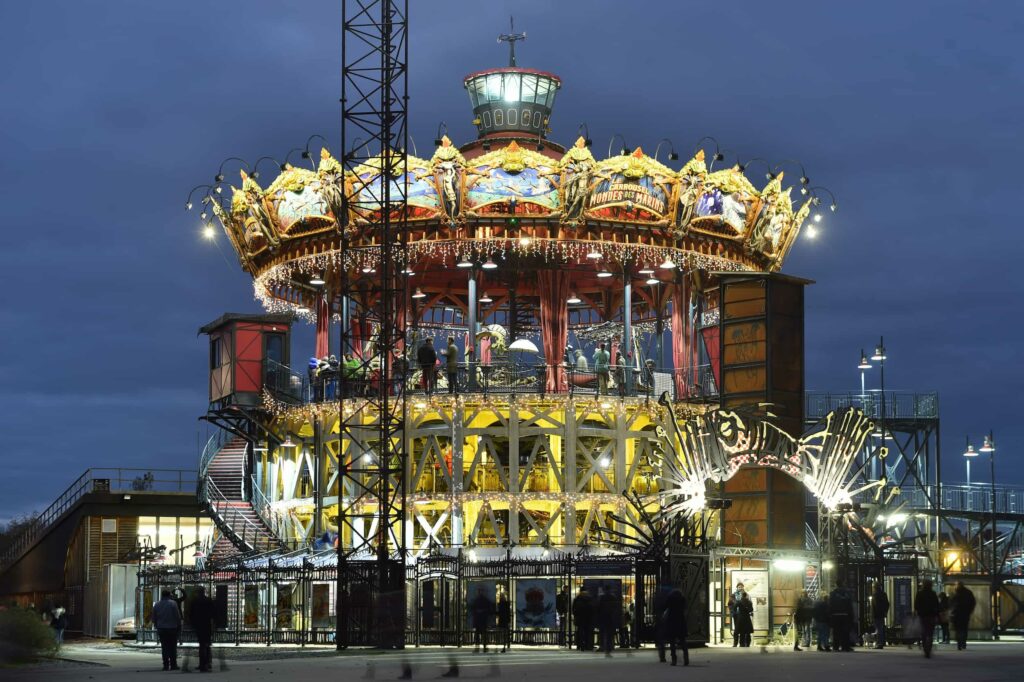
(879, 612)
(744, 622)
(673, 627)
(734, 599)
(482, 609)
(840, 610)
(201, 615)
(962, 607)
(504, 622)
(562, 609)
(822, 622)
(608, 616)
(802, 621)
(426, 358)
(926, 605)
(583, 618)
(944, 616)
(167, 620)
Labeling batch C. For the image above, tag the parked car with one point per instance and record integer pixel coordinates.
(125, 627)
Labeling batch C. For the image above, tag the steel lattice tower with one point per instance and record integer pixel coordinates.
(374, 117)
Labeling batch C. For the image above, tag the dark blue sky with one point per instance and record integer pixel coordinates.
(110, 111)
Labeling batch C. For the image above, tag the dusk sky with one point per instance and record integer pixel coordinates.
(910, 112)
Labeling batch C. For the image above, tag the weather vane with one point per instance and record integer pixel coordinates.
(511, 38)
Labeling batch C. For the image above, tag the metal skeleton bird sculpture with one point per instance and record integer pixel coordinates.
(713, 446)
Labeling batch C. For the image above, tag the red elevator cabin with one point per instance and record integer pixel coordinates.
(244, 349)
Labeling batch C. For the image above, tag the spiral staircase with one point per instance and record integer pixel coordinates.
(245, 527)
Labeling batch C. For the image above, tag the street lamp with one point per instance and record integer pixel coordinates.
(989, 446)
(969, 454)
(864, 365)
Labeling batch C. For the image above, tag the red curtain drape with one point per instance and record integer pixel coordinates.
(553, 287)
(323, 326)
(681, 359)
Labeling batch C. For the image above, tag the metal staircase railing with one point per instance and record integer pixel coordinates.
(233, 522)
(217, 441)
(265, 511)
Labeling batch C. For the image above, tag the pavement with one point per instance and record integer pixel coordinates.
(982, 661)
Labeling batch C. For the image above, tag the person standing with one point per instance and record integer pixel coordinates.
(744, 619)
(167, 620)
(201, 615)
(620, 373)
(944, 616)
(734, 599)
(962, 607)
(426, 357)
(840, 610)
(583, 619)
(562, 609)
(673, 627)
(504, 622)
(926, 605)
(879, 612)
(451, 365)
(482, 610)
(608, 615)
(59, 622)
(602, 365)
(802, 621)
(822, 621)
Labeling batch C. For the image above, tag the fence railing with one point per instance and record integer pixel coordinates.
(99, 481)
(897, 404)
(973, 498)
(501, 378)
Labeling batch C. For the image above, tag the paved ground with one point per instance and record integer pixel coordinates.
(982, 662)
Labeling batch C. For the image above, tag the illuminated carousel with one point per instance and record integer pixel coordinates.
(582, 299)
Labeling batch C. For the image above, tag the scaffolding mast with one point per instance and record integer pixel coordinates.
(371, 492)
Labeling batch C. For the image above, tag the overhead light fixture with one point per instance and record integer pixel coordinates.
(573, 299)
(605, 462)
(408, 271)
(317, 280)
(864, 364)
(789, 565)
(464, 262)
(970, 451)
(288, 442)
(879, 354)
(604, 273)
(419, 293)
(646, 271)
(668, 264)
(485, 298)
(594, 254)
(259, 448)
(208, 231)
(988, 445)
(198, 554)
(653, 280)
(489, 264)
(301, 310)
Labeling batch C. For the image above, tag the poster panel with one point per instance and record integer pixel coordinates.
(535, 603)
(756, 585)
(322, 606)
(251, 607)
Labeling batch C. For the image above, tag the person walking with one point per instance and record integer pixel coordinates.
(202, 614)
(734, 599)
(608, 616)
(744, 619)
(840, 610)
(482, 609)
(562, 609)
(167, 620)
(451, 365)
(673, 627)
(822, 622)
(802, 617)
(426, 358)
(879, 612)
(602, 365)
(504, 622)
(944, 616)
(59, 622)
(583, 619)
(926, 605)
(963, 604)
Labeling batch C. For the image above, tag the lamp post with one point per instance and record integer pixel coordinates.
(969, 454)
(879, 357)
(989, 446)
(864, 366)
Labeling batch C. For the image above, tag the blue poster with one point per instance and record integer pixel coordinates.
(535, 603)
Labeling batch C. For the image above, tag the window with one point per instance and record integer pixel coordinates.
(274, 349)
(215, 351)
(529, 89)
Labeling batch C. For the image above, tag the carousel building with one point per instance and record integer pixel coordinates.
(594, 364)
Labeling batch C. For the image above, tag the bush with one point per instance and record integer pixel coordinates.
(24, 636)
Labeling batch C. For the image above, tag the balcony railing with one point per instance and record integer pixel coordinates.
(506, 378)
(128, 481)
(898, 405)
(973, 498)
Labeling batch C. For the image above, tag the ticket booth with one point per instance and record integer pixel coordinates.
(244, 351)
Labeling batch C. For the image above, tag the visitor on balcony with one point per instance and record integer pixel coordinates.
(426, 357)
(353, 372)
(620, 373)
(647, 377)
(451, 365)
(602, 365)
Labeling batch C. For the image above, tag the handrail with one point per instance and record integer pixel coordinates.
(897, 404)
(107, 480)
(221, 507)
(264, 510)
(213, 445)
(977, 497)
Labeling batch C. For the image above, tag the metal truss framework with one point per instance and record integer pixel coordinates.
(374, 121)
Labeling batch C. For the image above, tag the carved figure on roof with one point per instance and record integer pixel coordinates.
(233, 229)
(691, 182)
(577, 167)
(726, 203)
(248, 202)
(775, 213)
(449, 166)
(333, 186)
